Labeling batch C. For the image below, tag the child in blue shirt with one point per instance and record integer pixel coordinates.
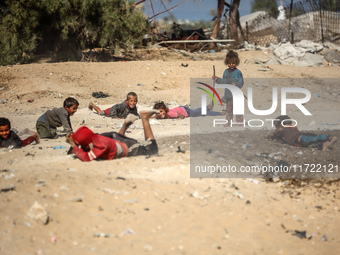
(232, 76)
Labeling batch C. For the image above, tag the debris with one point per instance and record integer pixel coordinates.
(324, 238)
(76, 199)
(245, 146)
(128, 231)
(131, 201)
(3, 101)
(59, 147)
(179, 149)
(37, 212)
(184, 65)
(139, 84)
(102, 234)
(120, 178)
(30, 100)
(53, 239)
(301, 234)
(99, 94)
(11, 188)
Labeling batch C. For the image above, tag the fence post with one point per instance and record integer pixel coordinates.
(321, 26)
(247, 31)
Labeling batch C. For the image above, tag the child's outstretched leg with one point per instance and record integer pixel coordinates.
(127, 123)
(96, 108)
(145, 116)
(329, 144)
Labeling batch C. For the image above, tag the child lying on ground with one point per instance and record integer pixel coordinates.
(9, 138)
(48, 122)
(119, 110)
(290, 134)
(180, 112)
(113, 145)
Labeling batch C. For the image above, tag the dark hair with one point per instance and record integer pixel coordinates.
(231, 57)
(131, 94)
(160, 105)
(278, 120)
(70, 101)
(5, 122)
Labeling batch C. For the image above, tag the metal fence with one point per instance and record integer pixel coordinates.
(305, 20)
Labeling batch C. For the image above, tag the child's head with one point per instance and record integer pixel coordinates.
(232, 60)
(278, 121)
(71, 105)
(161, 107)
(5, 127)
(131, 100)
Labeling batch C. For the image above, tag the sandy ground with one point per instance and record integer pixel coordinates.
(151, 205)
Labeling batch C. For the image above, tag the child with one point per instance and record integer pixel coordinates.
(180, 112)
(113, 145)
(291, 135)
(119, 110)
(48, 122)
(232, 76)
(9, 138)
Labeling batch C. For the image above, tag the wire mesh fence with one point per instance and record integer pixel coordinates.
(305, 20)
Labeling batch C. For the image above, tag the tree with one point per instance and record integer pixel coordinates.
(234, 20)
(269, 6)
(59, 25)
(220, 8)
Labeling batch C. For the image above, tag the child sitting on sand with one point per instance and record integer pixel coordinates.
(113, 145)
(48, 122)
(290, 134)
(9, 138)
(180, 112)
(119, 110)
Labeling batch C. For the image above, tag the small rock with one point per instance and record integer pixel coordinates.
(37, 212)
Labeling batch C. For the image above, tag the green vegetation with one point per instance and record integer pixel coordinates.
(28, 26)
(269, 6)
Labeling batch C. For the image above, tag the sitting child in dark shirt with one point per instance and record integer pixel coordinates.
(290, 134)
(9, 138)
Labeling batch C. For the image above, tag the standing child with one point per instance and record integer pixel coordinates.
(9, 138)
(180, 112)
(290, 134)
(232, 76)
(119, 110)
(48, 122)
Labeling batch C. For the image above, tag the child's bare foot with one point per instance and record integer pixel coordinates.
(147, 113)
(329, 144)
(332, 141)
(90, 106)
(37, 138)
(131, 118)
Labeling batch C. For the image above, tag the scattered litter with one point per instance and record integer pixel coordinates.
(128, 231)
(3, 101)
(30, 100)
(76, 199)
(254, 181)
(53, 239)
(99, 94)
(179, 149)
(131, 201)
(139, 84)
(11, 188)
(59, 147)
(102, 234)
(184, 65)
(163, 73)
(245, 146)
(324, 238)
(264, 69)
(28, 224)
(301, 234)
(120, 178)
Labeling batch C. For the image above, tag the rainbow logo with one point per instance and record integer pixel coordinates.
(209, 93)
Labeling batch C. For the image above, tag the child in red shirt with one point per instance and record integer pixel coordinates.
(113, 145)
